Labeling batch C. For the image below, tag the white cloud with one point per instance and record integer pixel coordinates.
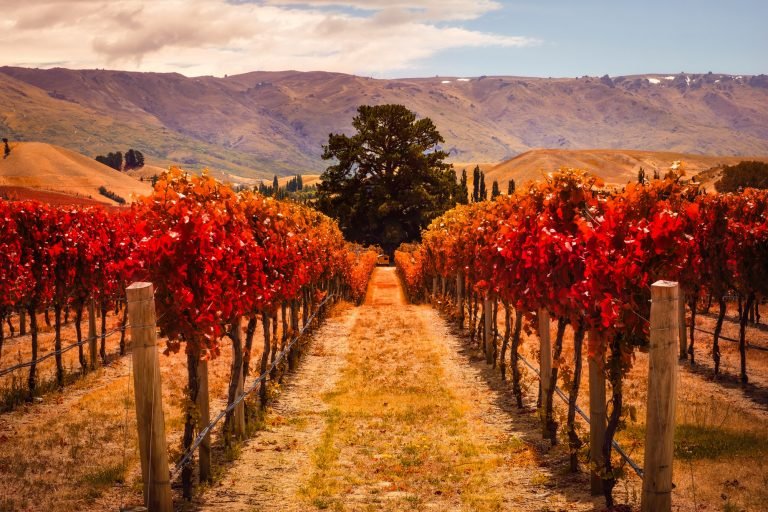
(217, 37)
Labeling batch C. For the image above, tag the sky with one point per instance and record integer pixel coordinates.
(389, 38)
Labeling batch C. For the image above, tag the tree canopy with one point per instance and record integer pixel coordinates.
(390, 178)
(743, 175)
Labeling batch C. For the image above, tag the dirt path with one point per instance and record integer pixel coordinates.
(388, 414)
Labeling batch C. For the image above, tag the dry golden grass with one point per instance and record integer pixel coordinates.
(721, 440)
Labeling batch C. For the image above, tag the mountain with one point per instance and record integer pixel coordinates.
(258, 124)
(33, 168)
(615, 167)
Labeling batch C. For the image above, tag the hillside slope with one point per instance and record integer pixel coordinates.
(616, 167)
(257, 124)
(46, 167)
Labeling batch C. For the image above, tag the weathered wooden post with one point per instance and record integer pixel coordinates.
(204, 410)
(488, 340)
(434, 287)
(92, 345)
(597, 419)
(681, 327)
(662, 398)
(545, 365)
(149, 398)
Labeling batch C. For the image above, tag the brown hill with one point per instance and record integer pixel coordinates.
(263, 123)
(44, 167)
(616, 167)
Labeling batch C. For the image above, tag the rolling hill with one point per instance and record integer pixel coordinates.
(52, 169)
(616, 167)
(258, 124)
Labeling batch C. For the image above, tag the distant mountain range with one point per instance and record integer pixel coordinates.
(263, 123)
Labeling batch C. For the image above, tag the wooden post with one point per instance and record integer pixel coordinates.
(239, 412)
(203, 408)
(488, 340)
(149, 398)
(22, 322)
(597, 419)
(681, 327)
(92, 345)
(443, 282)
(662, 398)
(434, 287)
(545, 364)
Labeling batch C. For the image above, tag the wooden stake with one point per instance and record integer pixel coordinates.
(149, 398)
(203, 408)
(92, 345)
(662, 398)
(460, 297)
(434, 287)
(239, 413)
(545, 364)
(597, 419)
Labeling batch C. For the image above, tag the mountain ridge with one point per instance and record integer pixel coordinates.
(262, 123)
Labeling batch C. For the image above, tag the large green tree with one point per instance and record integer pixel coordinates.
(390, 178)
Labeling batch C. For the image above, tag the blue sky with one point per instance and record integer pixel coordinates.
(390, 38)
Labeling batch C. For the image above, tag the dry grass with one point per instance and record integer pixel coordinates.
(720, 442)
(77, 450)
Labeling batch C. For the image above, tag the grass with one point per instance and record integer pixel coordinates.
(396, 437)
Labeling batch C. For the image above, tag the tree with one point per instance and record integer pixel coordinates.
(463, 184)
(6, 149)
(743, 175)
(483, 195)
(495, 192)
(641, 176)
(476, 184)
(275, 186)
(113, 160)
(133, 159)
(390, 178)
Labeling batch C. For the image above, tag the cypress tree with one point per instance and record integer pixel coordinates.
(495, 192)
(511, 187)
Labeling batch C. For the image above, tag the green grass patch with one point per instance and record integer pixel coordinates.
(703, 442)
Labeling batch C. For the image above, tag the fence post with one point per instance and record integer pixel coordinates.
(545, 365)
(204, 409)
(22, 322)
(681, 327)
(149, 398)
(597, 419)
(662, 398)
(92, 345)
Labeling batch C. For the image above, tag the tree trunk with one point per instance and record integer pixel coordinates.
(710, 299)
(123, 323)
(234, 422)
(617, 400)
(22, 323)
(103, 347)
(692, 305)
(250, 331)
(79, 333)
(265, 318)
(47, 318)
(557, 351)
(757, 311)
(190, 419)
(505, 341)
(57, 346)
(32, 381)
(718, 329)
(515, 359)
(573, 438)
(743, 337)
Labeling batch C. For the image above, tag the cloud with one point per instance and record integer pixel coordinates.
(218, 36)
